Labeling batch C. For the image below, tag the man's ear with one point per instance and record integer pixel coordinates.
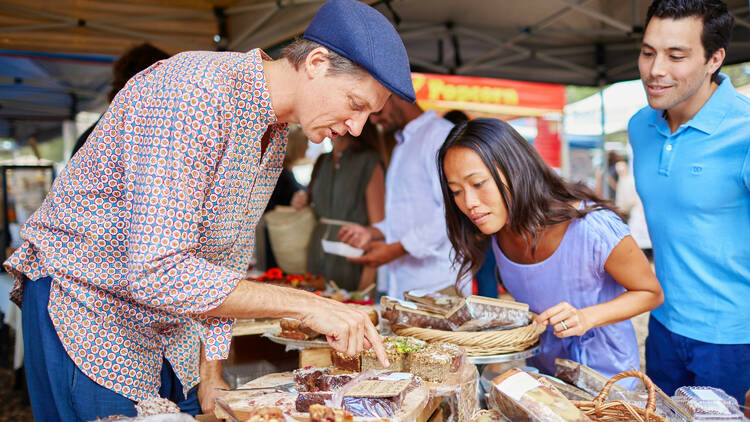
(316, 62)
(716, 60)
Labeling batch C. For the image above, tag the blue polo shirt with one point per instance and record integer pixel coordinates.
(695, 188)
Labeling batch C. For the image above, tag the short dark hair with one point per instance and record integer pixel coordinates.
(299, 49)
(455, 116)
(131, 62)
(717, 21)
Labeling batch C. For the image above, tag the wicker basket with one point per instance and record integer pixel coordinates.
(617, 410)
(480, 343)
(289, 231)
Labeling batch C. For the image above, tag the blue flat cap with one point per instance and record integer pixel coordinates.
(364, 36)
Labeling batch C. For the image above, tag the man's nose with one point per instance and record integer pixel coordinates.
(356, 123)
(659, 66)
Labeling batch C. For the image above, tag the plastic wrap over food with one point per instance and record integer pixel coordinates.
(434, 301)
(586, 379)
(592, 382)
(571, 392)
(382, 394)
(401, 312)
(521, 398)
(665, 406)
(459, 391)
(481, 313)
(708, 404)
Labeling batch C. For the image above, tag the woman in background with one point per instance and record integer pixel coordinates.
(558, 247)
(348, 185)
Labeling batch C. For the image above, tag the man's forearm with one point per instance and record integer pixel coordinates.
(257, 300)
(210, 369)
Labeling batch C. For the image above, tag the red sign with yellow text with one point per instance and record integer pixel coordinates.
(487, 95)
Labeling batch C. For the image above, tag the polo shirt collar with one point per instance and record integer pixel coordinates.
(708, 118)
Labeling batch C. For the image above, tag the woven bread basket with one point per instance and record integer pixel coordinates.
(479, 343)
(600, 410)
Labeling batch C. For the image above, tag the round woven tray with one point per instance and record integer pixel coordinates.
(479, 343)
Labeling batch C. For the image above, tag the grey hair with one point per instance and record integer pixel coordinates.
(297, 52)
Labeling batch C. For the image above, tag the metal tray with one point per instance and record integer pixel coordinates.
(505, 357)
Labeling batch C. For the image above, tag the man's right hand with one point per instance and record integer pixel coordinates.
(356, 235)
(348, 330)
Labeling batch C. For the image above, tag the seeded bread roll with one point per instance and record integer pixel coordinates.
(436, 361)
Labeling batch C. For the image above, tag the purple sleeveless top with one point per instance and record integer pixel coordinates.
(575, 273)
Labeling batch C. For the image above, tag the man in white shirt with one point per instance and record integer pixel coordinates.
(412, 239)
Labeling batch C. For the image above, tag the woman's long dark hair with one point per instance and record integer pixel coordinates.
(535, 196)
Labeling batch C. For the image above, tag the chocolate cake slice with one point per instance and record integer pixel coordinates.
(344, 361)
(305, 399)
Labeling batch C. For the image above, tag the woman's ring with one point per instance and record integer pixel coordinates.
(565, 326)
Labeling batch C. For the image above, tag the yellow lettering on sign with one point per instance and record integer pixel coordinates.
(437, 89)
(418, 82)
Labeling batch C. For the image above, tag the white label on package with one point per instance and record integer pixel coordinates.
(404, 303)
(396, 376)
(705, 394)
(517, 385)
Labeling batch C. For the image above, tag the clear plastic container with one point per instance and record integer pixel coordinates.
(708, 404)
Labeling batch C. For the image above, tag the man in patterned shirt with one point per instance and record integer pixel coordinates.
(135, 262)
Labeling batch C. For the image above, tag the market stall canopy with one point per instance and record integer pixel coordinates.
(38, 90)
(582, 42)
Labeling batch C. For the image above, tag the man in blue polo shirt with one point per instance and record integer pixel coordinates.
(691, 149)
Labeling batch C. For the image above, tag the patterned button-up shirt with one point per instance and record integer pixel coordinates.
(151, 223)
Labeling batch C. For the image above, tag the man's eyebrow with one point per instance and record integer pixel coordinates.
(675, 48)
(362, 101)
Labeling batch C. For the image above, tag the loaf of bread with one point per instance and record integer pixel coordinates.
(397, 350)
(409, 314)
(432, 301)
(521, 398)
(435, 361)
(480, 313)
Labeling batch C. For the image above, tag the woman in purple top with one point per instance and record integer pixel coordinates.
(559, 247)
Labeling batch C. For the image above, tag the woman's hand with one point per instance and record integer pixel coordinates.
(355, 235)
(300, 200)
(566, 319)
